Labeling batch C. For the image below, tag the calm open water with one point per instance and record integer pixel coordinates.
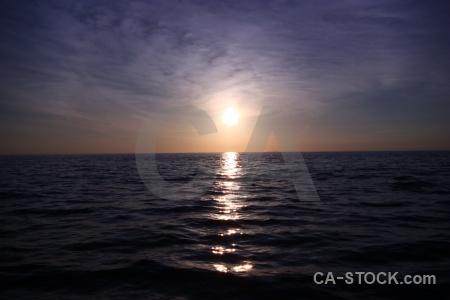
(86, 227)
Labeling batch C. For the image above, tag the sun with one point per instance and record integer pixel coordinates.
(230, 117)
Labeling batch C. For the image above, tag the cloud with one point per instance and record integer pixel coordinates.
(113, 61)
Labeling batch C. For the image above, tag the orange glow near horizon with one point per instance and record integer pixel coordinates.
(179, 137)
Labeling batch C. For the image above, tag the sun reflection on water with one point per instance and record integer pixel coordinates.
(221, 268)
(230, 164)
(231, 232)
(229, 205)
(222, 250)
(240, 268)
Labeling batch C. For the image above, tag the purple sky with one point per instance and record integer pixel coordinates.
(81, 76)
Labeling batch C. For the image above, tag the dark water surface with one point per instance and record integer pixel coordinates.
(86, 227)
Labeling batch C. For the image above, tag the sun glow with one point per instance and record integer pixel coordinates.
(230, 117)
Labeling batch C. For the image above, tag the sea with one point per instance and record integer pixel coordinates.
(94, 227)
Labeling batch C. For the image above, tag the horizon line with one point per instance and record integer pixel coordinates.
(219, 152)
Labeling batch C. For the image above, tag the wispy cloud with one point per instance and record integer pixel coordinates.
(111, 62)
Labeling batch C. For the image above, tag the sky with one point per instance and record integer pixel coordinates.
(84, 76)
